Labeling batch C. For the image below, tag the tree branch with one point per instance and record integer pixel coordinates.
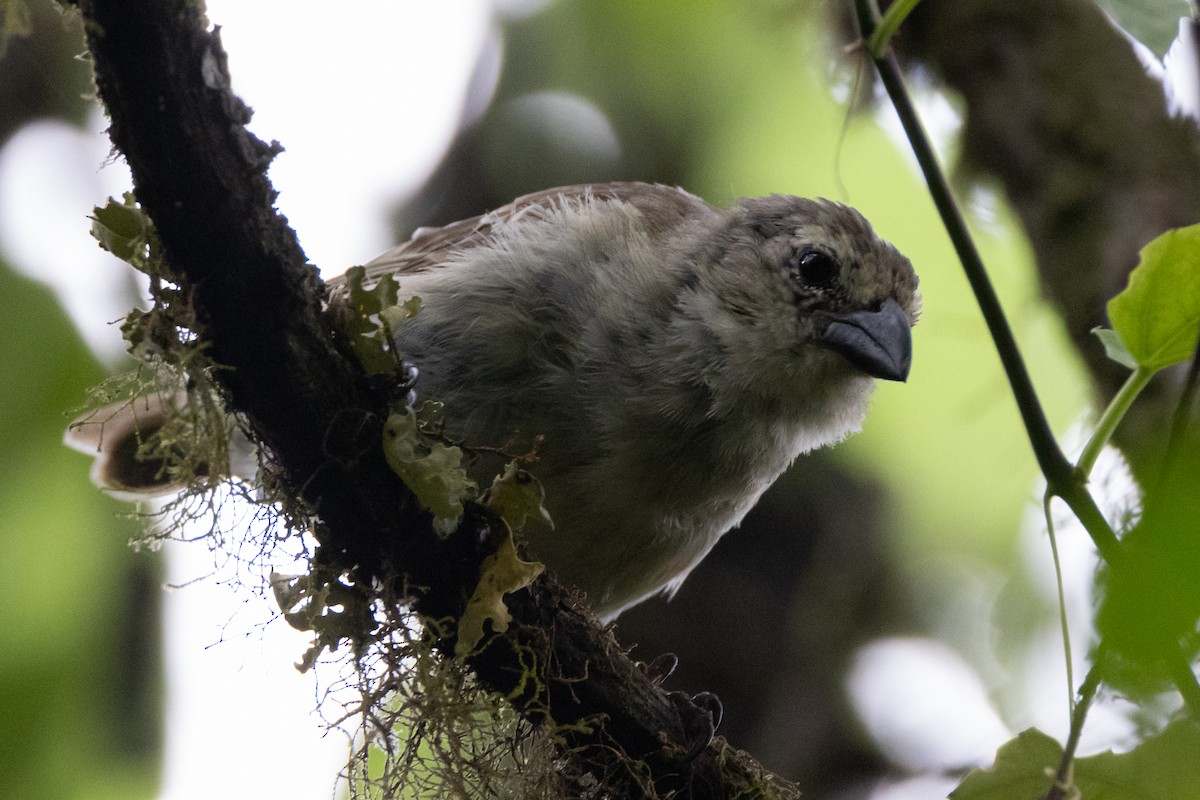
(201, 177)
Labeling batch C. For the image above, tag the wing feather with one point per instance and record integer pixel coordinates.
(430, 248)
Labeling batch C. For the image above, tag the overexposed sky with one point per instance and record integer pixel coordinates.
(364, 96)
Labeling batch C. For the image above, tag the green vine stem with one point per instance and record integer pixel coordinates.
(1066, 767)
(1050, 457)
(896, 14)
(1185, 680)
(1111, 417)
(1062, 478)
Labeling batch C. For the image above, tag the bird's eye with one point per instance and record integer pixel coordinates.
(815, 267)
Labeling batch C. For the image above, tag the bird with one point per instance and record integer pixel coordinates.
(665, 358)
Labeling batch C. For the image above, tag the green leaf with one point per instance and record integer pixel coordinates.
(1114, 348)
(1152, 603)
(1158, 315)
(1164, 767)
(1024, 768)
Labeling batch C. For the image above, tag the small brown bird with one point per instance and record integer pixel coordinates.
(673, 357)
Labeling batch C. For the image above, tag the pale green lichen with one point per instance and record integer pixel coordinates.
(190, 446)
(432, 469)
(320, 602)
(125, 230)
(370, 314)
(514, 496)
(501, 573)
(429, 731)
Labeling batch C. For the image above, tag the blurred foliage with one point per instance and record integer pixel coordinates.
(79, 659)
(1153, 602)
(40, 77)
(1164, 767)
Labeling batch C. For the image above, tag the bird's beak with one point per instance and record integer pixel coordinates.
(877, 342)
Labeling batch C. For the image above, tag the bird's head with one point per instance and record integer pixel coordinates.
(808, 299)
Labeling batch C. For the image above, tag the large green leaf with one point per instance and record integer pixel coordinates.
(1020, 770)
(1163, 767)
(1157, 316)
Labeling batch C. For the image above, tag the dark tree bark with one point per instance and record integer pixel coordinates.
(201, 178)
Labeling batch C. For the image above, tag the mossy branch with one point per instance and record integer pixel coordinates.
(201, 176)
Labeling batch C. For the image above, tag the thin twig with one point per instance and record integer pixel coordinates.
(1066, 767)
(1053, 462)
(1112, 417)
(896, 14)
(1062, 602)
(1062, 478)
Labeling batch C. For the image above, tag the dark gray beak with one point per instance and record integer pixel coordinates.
(877, 342)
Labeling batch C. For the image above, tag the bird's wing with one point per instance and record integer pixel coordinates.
(430, 248)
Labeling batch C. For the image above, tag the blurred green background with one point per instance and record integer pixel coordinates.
(726, 98)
